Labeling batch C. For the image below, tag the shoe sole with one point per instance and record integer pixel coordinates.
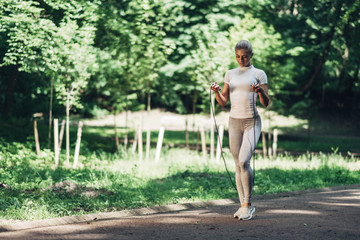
(237, 216)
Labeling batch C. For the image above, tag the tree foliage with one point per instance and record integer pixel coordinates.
(328, 63)
(122, 55)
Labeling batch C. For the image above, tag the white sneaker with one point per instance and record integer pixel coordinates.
(242, 211)
(238, 213)
(247, 215)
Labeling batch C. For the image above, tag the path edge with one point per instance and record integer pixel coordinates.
(89, 218)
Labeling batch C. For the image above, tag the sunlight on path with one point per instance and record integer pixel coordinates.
(173, 121)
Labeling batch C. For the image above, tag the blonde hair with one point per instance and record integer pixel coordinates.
(244, 44)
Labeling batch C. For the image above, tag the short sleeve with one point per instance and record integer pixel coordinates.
(227, 78)
(261, 77)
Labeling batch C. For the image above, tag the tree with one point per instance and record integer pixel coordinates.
(209, 62)
(198, 29)
(150, 43)
(134, 47)
(35, 43)
(74, 61)
(325, 30)
(26, 34)
(113, 87)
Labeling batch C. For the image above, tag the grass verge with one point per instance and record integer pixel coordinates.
(30, 188)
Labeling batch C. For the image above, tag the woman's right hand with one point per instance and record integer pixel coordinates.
(215, 87)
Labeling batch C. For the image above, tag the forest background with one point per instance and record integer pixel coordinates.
(109, 56)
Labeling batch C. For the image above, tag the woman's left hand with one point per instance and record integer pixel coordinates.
(262, 90)
(257, 88)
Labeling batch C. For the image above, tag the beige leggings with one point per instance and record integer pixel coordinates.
(242, 145)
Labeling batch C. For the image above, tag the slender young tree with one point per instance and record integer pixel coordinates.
(76, 61)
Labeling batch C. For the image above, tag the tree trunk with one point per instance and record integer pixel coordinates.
(318, 63)
(269, 144)
(148, 138)
(133, 149)
(187, 134)
(159, 144)
(148, 101)
(140, 143)
(68, 129)
(264, 144)
(36, 136)
(61, 134)
(275, 140)
(203, 143)
(77, 147)
(50, 111)
(197, 140)
(292, 6)
(147, 154)
(196, 95)
(126, 138)
(126, 123)
(116, 133)
(345, 58)
(219, 143)
(56, 143)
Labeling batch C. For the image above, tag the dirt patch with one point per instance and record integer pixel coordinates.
(331, 213)
(76, 189)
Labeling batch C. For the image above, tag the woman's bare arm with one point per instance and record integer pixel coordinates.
(221, 97)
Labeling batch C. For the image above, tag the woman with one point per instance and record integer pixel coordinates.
(243, 84)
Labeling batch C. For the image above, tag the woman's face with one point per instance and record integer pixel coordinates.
(243, 57)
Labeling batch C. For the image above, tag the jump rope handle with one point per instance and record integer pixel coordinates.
(215, 85)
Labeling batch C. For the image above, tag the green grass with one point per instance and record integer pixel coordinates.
(318, 143)
(30, 187)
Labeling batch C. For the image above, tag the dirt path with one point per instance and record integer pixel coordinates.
(332, 213)
(174, 121)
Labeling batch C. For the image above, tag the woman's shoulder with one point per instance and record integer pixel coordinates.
(260, 74)
(232, 71)
(229, 75)
(258, 70)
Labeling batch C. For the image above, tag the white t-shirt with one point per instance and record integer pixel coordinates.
(243, 100)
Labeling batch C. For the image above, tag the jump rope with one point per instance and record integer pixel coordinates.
(219, 140)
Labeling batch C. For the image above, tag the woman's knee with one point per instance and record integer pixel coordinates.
(243, 165)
